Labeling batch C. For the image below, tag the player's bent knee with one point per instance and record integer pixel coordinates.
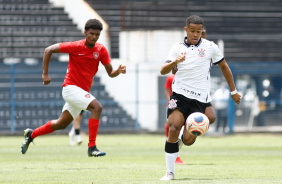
(212, 120)
(188, 142)
(97, 108)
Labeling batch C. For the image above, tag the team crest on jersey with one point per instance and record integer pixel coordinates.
(172, 104)
(202, 52)
(87, 96)
(95, 55)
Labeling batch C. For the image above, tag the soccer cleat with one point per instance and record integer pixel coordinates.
(179, 161)
(168, 176)
(94, 152)
(27, 140)
(78, 139)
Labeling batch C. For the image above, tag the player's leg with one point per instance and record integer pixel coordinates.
(64, 120)
(195, 106)
(93, 124)
(178, 159)
(175, 121)
(209, 112)
(76, 125)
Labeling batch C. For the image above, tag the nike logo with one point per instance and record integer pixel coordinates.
(81, 54)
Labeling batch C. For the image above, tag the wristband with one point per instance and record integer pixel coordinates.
(233, 92)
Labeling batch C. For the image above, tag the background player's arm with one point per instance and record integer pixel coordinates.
(167, 93)
(113, 73)
(229, 79)
(46, 59)
(168, 66)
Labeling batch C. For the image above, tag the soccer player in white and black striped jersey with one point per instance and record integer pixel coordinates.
(191, 86)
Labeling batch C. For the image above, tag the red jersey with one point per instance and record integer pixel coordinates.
(168, 82)
(83, 62)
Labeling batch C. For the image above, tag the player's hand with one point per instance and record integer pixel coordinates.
(122, 69)
(236, 98)
(46, 79)
(180, 58)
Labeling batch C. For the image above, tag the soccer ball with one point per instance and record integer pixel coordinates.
(197, 124)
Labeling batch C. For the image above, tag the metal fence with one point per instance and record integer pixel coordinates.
(25, 102)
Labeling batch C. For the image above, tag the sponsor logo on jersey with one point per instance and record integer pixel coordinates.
(172, 104)
(87, 95)
(191, 93)
(201, 52)
(95, 55)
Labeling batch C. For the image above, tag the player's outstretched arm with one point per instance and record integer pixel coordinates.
(113, 73)
(168, 66)
(230, 81)
(46, 59)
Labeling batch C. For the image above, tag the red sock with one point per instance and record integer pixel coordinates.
(44, 129)
(93, 125)
(166, 129)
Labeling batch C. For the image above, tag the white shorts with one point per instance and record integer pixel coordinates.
(76, 99)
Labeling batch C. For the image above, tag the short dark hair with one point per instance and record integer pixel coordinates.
(93, 24)
(194, 19)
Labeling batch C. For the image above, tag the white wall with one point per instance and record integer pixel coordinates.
(148, 46)
(124, 88)
(149, 50)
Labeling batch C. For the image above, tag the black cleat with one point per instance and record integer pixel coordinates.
(94, 152)
(27, 140)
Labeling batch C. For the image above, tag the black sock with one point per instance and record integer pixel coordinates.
(77, 131)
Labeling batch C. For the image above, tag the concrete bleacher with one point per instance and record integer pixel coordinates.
(28, 27)
(35, 104)
(250, 29)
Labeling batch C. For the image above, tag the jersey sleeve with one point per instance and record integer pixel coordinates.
(217, 56)
(105, 59)
(67, 47)
(173, 53)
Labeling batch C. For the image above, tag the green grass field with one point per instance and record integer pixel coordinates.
(140, 159)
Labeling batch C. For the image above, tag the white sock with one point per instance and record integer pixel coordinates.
(170, 160)
(72, 131)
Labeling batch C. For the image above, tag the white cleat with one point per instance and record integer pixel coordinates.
(168, 176)
(78, 139)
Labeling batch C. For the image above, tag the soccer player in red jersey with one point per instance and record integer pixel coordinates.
(84, 58)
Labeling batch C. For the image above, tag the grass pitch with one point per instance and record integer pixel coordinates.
(140, 159)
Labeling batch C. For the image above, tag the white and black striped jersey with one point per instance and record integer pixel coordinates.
(193, 76)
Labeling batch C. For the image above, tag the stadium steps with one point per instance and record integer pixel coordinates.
(35, 104)
(228, 20)
(28, 27)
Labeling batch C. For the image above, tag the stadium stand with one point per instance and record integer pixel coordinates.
(250, 29)
(27, 27)
(35, 104)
